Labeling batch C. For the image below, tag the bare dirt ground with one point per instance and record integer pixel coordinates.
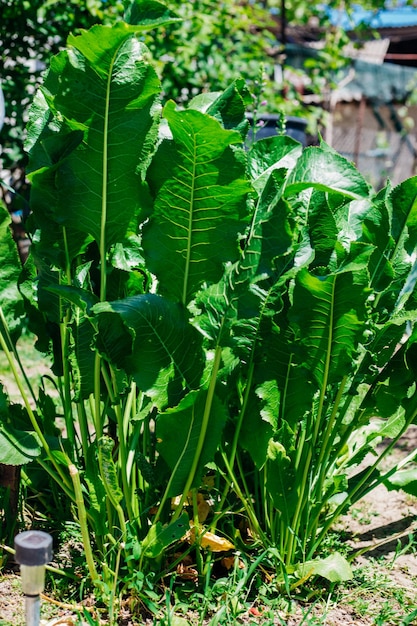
(383, 592)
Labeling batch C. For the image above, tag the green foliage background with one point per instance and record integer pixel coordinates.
(214, 44)
(30, 31)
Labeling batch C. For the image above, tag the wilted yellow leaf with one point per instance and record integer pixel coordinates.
(208, 540)
(203, 507)
(216, 543)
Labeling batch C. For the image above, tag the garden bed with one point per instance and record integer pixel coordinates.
(382, 591)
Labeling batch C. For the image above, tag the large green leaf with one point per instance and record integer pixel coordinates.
(148, 14)
(17, 446)
(324, 169)
(151, 339)
(10, 300)
(101, 97)
(200, 204)
(329, 313)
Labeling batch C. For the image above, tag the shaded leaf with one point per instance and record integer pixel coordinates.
(151, 339)
(148, 14)
(230, 107)
(160, 537)
(10, 300)
(404, 479)
(17, 446)
(178, 432)
(281, 480)
(403, 199)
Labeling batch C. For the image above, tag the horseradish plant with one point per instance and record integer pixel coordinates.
(231, 329)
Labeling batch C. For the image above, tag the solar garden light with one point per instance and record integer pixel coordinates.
(33, 550)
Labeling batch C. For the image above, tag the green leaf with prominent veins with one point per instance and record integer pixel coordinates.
(403, 203)
(151, 339)
(281, 479)
(322, 168)
(200, 206)
(329, 313)
(11, 302)
(102, 91)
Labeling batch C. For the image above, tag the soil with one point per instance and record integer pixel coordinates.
(383, 592)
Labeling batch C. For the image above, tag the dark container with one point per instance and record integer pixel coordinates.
(295, 127)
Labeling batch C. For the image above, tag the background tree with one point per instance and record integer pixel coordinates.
(215, 43)
(30, 32)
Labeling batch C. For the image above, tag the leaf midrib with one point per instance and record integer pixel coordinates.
(190, 225)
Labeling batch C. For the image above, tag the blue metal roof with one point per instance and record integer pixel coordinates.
(396, 17)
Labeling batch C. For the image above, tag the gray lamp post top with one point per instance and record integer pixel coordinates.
(33, 547)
